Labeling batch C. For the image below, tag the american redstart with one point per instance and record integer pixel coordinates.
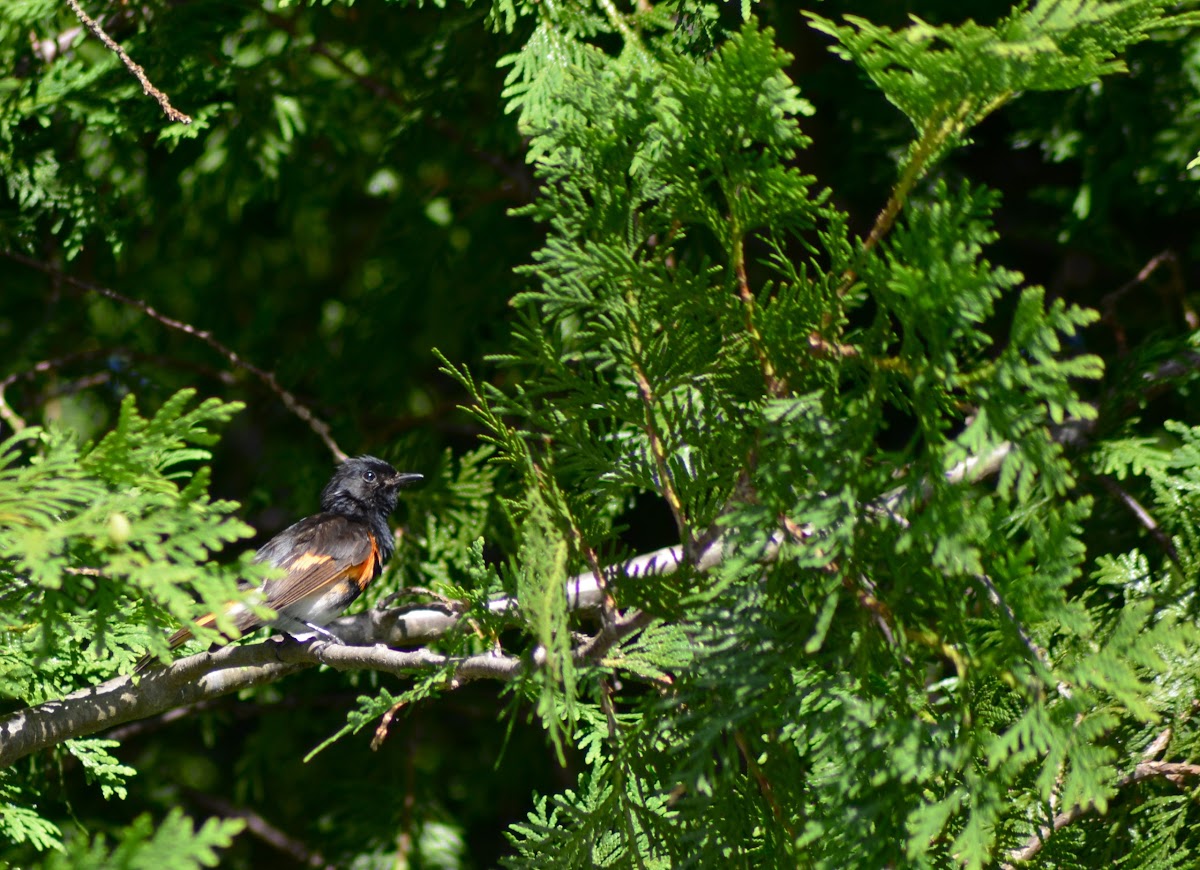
(330, 558)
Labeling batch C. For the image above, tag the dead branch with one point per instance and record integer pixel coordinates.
(138, 73)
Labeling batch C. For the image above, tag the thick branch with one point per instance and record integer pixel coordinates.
(369, 637)
(209, 675)
(122, 699)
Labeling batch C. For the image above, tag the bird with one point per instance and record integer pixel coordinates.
(328, 558)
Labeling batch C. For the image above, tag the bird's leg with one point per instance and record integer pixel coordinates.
(292, 626)
(328, 636)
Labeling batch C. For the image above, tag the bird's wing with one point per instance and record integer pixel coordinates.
(316, 553)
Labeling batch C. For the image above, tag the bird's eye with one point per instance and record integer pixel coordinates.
(369, 476)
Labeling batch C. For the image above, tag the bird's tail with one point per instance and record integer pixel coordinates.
(183, 635)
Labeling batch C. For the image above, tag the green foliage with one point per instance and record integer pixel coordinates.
(100, 767)
(20, 820)
(91, 534)
(91, 531)
(938, 548)
(652, 337)
(542, 597)
(172, 842)
(947, 79)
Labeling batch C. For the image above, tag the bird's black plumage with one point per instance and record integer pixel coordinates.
(328, 558)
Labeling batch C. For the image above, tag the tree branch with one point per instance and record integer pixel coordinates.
(201, 677)
(259, 827)
(1143, 516)
(368, 640)
(1174, 771)
(138, 73)
(209, 675)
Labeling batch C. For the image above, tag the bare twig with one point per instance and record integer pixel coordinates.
(997, 601)
(381, 730)
(1175, 286)
(776, 386)
(320, 427)
(1143, 516)
(138, 73)
(404, 838)
(258, 826)
(1110, 300)
(764, 785)
(7, 413)
(1175, 772)
(87, 381)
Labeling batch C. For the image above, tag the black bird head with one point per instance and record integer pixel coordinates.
(365, 487)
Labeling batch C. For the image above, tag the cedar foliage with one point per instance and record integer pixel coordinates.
(937, 628)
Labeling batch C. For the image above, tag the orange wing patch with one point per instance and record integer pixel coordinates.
(307, 560)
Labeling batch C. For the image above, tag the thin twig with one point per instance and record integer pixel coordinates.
(381, 730)
(930, 141)
(631, 37)
(10, 416)
(1038, 840)
(258, 826)
(320, 427)
(997, 600)
(764, 785)
(1175, 772)
(138, 73)
(49, 365)
(614, 736)
(1109, 301)
(608, 604)
(1108, 304)
(1143, 516)
(404, 838)
(657, 450)
(776, 386)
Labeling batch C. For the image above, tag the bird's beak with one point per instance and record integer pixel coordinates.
(403, 480)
